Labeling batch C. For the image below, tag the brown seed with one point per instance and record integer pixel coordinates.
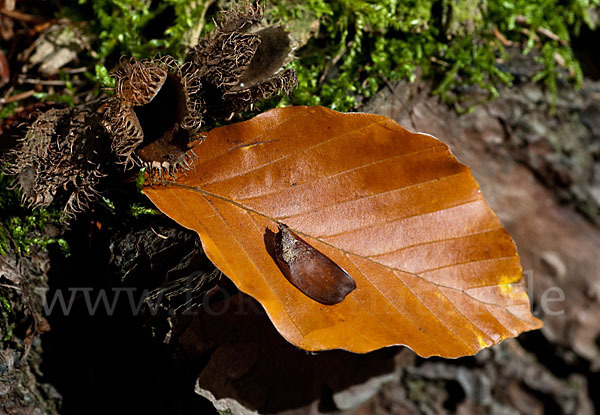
(309, 270)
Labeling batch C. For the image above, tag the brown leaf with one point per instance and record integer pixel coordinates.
(434, 268)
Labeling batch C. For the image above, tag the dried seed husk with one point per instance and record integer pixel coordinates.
(160, 105)
(156, 109)
(242, 99)
(242, 63)
(14, 128)
(61, 155)
(240, 17)
(222, 59)
(271, 55)
(140, 81)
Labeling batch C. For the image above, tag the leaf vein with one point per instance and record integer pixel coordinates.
(431, 311)
(382, 294)
(399, 219)
(239, 205)
(253, 262)
(486, 303)
(437, 241)
(467, 318)
(374, 195)
(288, 155)
(238, 145)
(341, 318)
(362, 166)
(464, 263)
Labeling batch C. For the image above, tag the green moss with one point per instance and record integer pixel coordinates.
(7, 323)
(20, 228)
(65, 98)
(360, 44)
(139, 28)
(140, 179)
(363, 43)
(108, 204)
(139, 210)
(7, 110)
(417, 389)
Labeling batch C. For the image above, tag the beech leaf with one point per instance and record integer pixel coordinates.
(434, 268)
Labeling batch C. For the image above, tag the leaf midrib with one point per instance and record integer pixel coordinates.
(249, 209)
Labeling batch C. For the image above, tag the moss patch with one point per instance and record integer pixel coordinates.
(363, 44)
(21, 228)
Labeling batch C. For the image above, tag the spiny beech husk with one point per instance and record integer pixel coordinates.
(61, 152)
(160, 105)
(155, 111)
(241, 62)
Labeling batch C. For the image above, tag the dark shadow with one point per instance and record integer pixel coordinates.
(119, 364)
(585, 46)
(161, 117)
(551, 407)
(255, 365)
(456, 396)
(109, 362)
